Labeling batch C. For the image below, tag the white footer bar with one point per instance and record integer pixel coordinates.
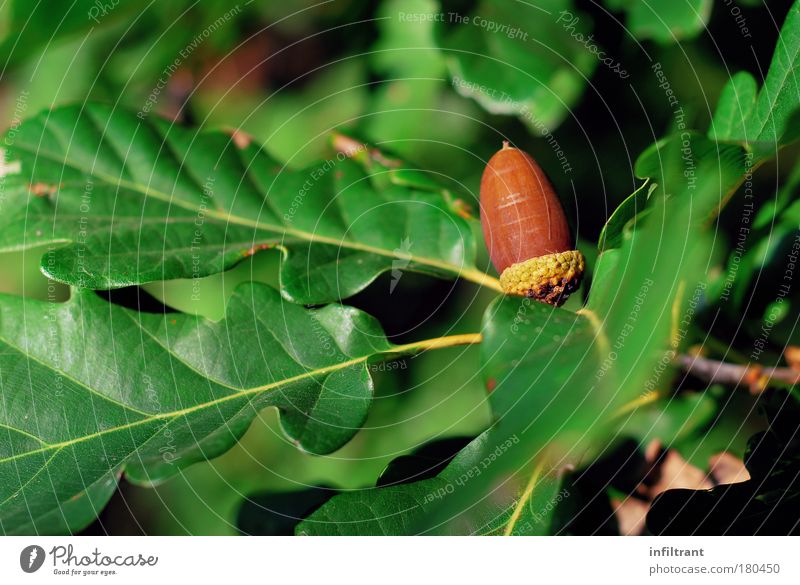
(391, 560)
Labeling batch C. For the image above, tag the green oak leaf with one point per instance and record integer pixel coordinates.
(521, 60)
(278, 512)
(132, 200)
(526, 509)
(664, 22)
(674, 163)
(735, 105)
(91, 390)
(770, 119)
(393, 510)
(624, 217)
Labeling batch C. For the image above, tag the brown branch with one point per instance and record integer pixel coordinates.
(756, 376)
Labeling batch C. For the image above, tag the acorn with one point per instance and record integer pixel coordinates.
(526, 229)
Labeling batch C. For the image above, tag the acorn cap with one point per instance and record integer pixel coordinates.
(550, 278)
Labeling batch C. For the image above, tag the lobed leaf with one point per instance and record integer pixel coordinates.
(156, 392)
(401, 508)
(132, 201)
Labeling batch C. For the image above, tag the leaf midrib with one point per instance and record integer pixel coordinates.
(523, 500)
(191, 409)
(428, 344)
(470, 273)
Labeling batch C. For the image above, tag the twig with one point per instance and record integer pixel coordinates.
(756, 376)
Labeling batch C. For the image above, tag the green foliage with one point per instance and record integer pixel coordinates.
(297, 127)
(94, 393)
(664, 22)
(770, 119)
(671, 421)
(162, 391)
(25, 30)
(562, 380)
(402, 508)
(773, 229)
(521, 60)
(622, 222)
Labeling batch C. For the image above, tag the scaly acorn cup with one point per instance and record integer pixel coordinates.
(526, 230)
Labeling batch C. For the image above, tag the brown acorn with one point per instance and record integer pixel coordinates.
(526, 230)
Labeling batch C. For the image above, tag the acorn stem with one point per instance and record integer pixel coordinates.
(481, 278)
(439, 343)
